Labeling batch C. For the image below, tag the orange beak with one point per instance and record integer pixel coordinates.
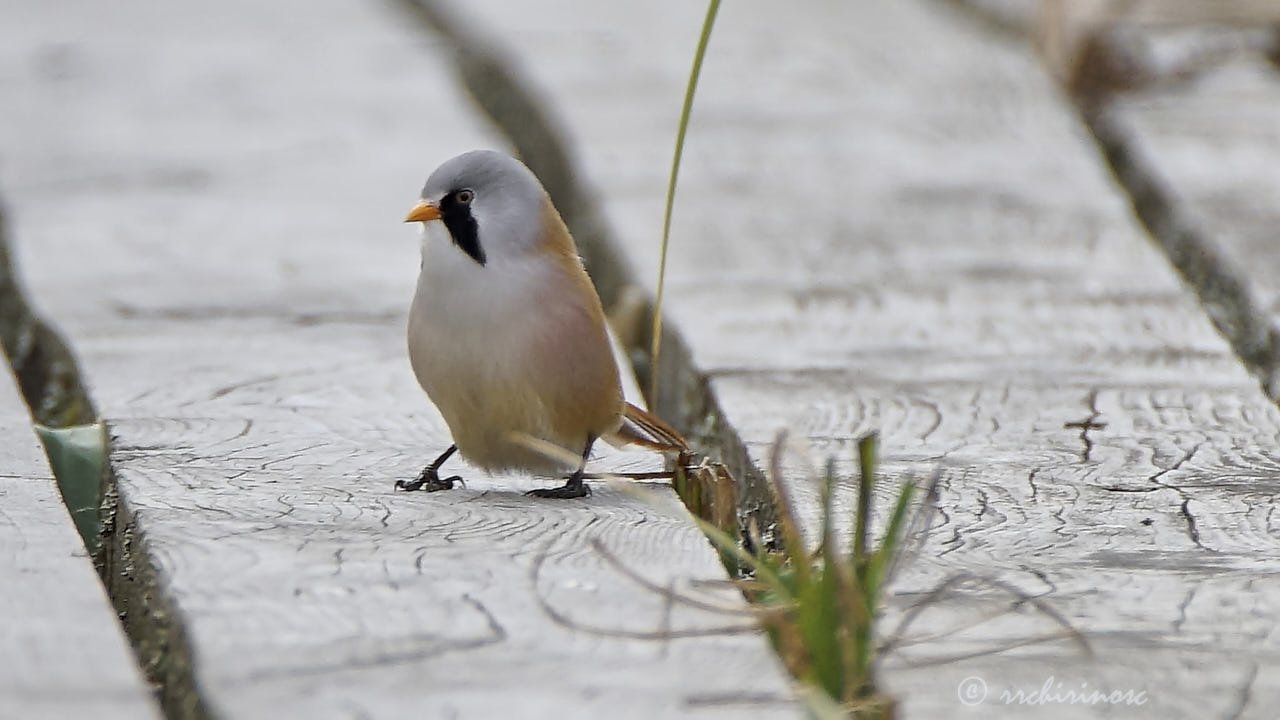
(423, 212)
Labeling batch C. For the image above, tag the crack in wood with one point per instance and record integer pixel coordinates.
(1115, 489)
(1182, 608)
(955, 541)
(1192, 531)
(225, 390)
(1177, 465)
(214, 312)
(1225, 295)
(937, 416)
(48, 376)
(1043, 577)
(497, 635)
(1062, 523)
(1031, 482)
(717, 699)
(137, 589)
(1089, 423)
(1184, 509)
(1245, 694)
(983, 504)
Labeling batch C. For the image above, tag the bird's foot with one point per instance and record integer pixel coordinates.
(575, 488)
(430, 481)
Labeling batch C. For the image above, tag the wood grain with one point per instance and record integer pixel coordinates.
(208, 200)
(889, 219)
(62, 654)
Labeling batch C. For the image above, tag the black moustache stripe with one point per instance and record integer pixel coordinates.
(462, 227)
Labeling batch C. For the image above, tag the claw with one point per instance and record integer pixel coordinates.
(430, 481)
(575, 488)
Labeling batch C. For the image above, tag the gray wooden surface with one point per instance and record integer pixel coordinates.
(207, 198)
(62, 654)
(1207, 156)
(889, 218)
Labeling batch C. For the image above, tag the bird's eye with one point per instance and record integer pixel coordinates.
(464, 197)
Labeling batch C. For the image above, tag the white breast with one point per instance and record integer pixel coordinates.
(469, 302)
(467, 333)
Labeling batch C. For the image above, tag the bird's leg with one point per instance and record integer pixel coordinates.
(429, 479)
(575, 487)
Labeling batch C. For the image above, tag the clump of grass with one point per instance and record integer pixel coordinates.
(826, 602)
(820, 608)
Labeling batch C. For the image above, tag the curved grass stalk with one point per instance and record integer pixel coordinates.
(713, 8)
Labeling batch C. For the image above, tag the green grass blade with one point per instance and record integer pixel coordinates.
(713, 8)
(866, 479)
(820, 623)
(889, 544)
(792, 540)
(872, 581)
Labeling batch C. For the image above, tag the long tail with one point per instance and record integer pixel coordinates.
(642, 428)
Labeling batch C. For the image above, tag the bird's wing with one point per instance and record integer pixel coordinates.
(639, 427)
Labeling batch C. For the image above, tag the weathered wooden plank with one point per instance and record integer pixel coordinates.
(208, 197)
(62, 654)
(1203, 162)
(889, 219)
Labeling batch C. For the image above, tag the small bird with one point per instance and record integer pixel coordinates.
(506, 332)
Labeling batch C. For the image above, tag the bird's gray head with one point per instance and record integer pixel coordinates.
(490, 202)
